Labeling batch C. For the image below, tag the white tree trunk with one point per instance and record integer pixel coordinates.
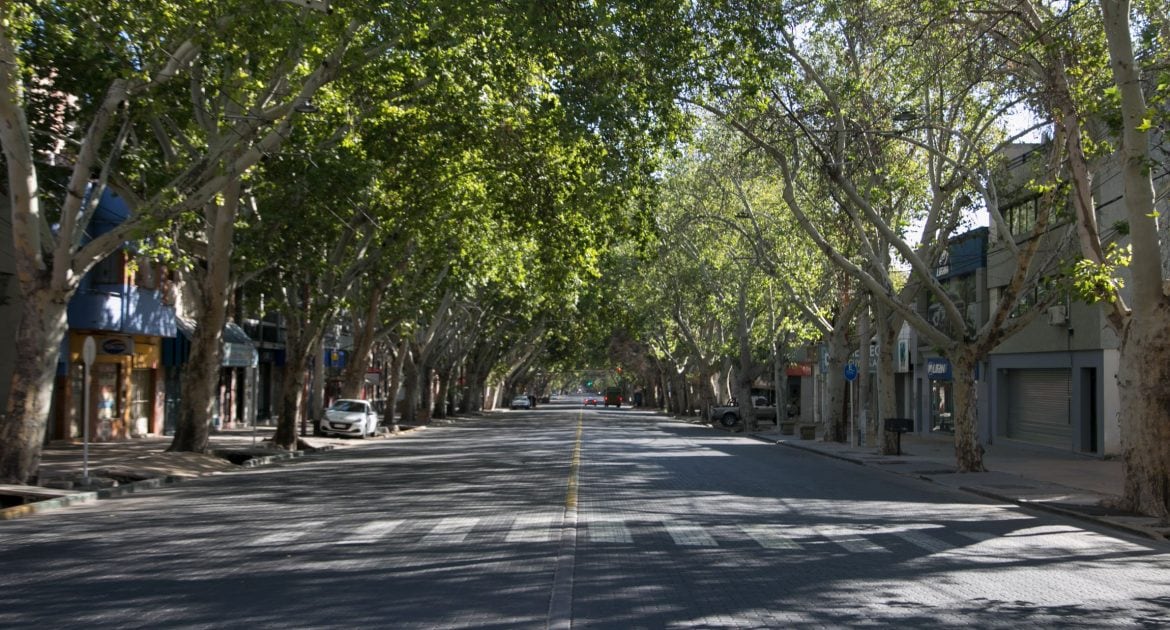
(200, 376)
(22, 426)
(1145, 344)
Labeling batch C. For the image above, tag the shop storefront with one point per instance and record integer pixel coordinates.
(124, 388)
(942, 405)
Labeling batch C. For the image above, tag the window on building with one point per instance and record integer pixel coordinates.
(1021, 218)
(146, 274)
(142, 397)
(111, 270)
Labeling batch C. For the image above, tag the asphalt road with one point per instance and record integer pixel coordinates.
(562, 517)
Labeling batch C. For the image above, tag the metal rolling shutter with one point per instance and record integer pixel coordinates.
(1038, 407)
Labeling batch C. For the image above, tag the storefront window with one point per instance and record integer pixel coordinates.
(141, 400)
(77, 383)
(106, 386)
(942, 407)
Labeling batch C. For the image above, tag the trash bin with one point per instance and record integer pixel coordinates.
(898, 426)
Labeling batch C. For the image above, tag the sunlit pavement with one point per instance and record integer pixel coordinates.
(562, 516)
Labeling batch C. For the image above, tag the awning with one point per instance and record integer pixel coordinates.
(238, 348)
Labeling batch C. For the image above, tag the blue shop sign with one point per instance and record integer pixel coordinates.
(938, 369)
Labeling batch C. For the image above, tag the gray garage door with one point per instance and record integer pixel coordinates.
(1038, 407)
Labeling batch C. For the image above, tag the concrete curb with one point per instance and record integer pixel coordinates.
(28, 509)
(92, 496)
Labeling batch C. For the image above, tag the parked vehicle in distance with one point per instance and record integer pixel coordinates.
(613, 396)
(521, 402)
(352, 417)
(727, 414)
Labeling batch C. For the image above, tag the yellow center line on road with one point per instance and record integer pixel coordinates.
(560, 604)
(575, 465)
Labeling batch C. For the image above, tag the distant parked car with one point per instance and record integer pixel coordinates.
(613, 396)
(350, 417)
(521, 402)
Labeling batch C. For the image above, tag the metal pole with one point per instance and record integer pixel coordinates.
(88, 354)
(85, 431)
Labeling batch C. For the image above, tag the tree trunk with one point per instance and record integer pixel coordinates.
(440, 410)
(864, 421)
(837, 422)
(452, 396)
(1145, 430)
(410, 390)
(1145, 344)
(968, 450)
(887, 393)
(743, 395)
(464, 388)
(200, 376)
(41, 328)
(426, 391)
(199, 380)
(395, 385)
(678, 394)
(315, 407)
(292, 392)
(354, 376)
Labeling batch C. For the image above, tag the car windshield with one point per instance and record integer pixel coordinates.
(348, 405)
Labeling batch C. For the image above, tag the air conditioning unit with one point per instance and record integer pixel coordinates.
(1057, 315)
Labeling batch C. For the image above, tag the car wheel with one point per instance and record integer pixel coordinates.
(729, 420)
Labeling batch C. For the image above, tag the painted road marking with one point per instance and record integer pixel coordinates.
(449, 531)
(769, 537)
(532, 528)
(924, 541)
(285, 537)
(688, 534)
(609, 530)
(371, 532)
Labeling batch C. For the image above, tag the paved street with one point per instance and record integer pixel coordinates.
(561, 517)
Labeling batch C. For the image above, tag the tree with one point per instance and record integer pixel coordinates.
(832, 117)
(1080, 69)
(110, 101)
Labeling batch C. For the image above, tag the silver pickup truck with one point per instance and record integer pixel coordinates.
(727, 414)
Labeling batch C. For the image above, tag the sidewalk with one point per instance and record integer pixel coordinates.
(117, 468)
(1056, 481)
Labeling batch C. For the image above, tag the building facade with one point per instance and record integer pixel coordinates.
(126, 304)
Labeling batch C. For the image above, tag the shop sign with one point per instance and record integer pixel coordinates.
(938, 369)
(799, 369)
(118, 346)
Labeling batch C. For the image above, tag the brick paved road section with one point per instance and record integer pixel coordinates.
(687, 527)
(676, 525)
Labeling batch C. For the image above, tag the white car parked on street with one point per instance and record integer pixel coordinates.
(350, 417)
